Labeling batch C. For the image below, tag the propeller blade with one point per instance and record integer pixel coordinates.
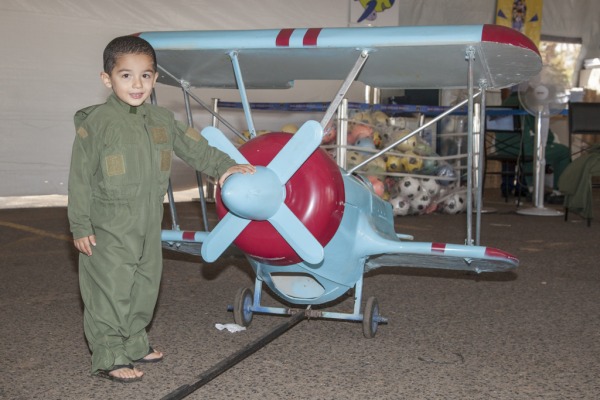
(297, 150)
(222, 236)
(217, 139)
(297, 236)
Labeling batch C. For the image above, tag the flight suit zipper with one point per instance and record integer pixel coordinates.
(153, 165)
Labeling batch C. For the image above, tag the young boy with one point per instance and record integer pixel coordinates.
(119, 175)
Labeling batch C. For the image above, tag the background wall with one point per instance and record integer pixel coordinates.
(52, 56)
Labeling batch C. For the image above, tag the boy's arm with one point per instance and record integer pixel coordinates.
(194, 149)
(80, 191)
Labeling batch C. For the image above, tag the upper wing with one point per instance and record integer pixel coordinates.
(399, 57)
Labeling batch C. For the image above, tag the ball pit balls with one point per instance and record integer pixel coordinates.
(419, 203)
(411, 162)
(393, 163)
(400, 205)
(409, 187)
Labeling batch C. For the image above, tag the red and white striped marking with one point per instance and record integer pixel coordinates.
(288, 37)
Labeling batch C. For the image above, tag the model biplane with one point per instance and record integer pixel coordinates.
(309, 228)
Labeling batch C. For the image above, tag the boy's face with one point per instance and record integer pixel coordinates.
(132, 78)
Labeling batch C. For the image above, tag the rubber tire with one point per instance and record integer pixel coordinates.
(244, 300)
(370, 317)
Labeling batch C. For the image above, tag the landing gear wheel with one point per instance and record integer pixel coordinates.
(371, 318)
(242, 314)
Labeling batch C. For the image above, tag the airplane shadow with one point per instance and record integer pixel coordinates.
(232, 258)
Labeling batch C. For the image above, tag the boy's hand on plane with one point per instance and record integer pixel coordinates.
(84, 244)
(241, 168)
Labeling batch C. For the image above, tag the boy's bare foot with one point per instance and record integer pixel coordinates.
(126, 373)
(153, 356)
(121, 373)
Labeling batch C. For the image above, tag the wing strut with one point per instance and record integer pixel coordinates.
(186, 87)
(242, 89)
(335, 103)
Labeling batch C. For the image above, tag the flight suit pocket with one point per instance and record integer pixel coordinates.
(165, 158)
(163, 155)
(121, 172)
(115, 165)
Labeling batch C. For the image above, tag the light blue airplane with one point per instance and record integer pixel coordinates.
(309, 228)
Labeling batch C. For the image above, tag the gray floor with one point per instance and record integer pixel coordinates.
(531, 334)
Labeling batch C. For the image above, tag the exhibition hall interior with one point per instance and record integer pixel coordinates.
(342, 199)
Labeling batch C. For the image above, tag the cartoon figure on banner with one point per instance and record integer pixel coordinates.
(372, 7)
(519, 12)
(524, 16)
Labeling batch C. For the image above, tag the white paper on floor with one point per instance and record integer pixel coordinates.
(233, 328)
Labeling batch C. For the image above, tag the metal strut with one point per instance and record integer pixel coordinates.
(470, 57)
(224, 365)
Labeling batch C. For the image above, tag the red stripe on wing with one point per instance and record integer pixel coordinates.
(491, 252)
(283, 38)
(438, 247)
(311, 36)
(188, 235)
(505, 35)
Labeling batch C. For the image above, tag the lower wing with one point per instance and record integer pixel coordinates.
(445, 256)
(189, 242)
(389, 253)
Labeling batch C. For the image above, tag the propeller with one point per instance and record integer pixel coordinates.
(261, 196)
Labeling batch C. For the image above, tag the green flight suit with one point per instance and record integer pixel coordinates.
(119, 175)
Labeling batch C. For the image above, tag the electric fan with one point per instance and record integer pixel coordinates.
(543, 96)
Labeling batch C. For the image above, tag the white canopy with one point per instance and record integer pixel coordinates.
(52, 57)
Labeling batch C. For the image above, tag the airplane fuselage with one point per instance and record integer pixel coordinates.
(367, 219)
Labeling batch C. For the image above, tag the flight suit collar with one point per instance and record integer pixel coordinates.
(121, 105)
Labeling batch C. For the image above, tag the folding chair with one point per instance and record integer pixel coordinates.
(504, 143)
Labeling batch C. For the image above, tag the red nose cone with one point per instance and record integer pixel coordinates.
(315, 194)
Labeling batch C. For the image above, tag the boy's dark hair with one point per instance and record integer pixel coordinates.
(126, 45)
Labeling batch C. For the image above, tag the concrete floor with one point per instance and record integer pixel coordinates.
(529, 334)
